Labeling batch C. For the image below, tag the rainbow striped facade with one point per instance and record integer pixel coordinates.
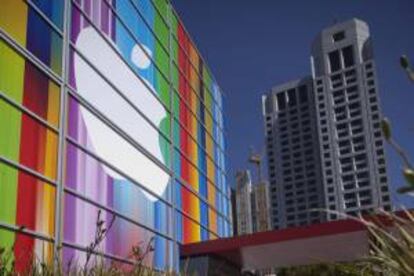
(106, 106)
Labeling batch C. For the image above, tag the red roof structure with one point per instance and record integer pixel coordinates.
(336, 241)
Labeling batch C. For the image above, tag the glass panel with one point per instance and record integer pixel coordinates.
(28, 142)
(23, 83)
(31, 31)
(93, 134)
(121, 195)
(80, 226)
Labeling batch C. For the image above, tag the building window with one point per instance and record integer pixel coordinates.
(338, 36)
(292, 97)
(350, 73)
(334, 61)
(303, 95)
(281, 102)
(348, 55)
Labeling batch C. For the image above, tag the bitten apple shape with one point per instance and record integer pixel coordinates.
(106, 143)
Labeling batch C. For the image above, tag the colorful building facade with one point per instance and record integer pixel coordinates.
(107, 111)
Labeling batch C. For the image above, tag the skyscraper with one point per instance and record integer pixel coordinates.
(260, 207)
(344, 139)
(244, 203)
(251, 204)
(349, 114)
(293, 154)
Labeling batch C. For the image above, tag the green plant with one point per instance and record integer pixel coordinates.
(328, 269)
(139, 255)
(6, 261)
(100, 233)
(98, 267)
(391, 243)
(405, 64)
(408, 170)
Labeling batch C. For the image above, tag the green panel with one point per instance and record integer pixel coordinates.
(161, 30)
(56, 53)
(162, 58)
(173, 22)
(175, 77)
(176, 134)
(163, 88)
(11, 73)
(176, 105)
(163, 61)
(174, 48)
(10, 119)
(162, 7)
(206, 77)
(207, 86)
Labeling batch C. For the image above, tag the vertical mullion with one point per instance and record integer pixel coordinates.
(171, 92)
(62, 136)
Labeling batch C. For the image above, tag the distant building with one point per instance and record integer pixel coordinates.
(243, 202)
(293, 155)
(261, 207)
(251, 205)
(253, 210)
(324, 143)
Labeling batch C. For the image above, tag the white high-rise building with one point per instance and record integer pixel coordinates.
(294, 169)
(349, 115)
(344, 116)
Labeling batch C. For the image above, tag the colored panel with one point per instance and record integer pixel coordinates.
(47, 92)
(123, 63)
(13, 19)
(10, 119)
(53, 9)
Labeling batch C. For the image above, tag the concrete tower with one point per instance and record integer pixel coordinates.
(324, 142)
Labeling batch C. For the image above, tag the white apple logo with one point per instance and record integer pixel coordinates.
(103, 97)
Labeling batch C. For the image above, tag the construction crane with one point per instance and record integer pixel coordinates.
(256, 159)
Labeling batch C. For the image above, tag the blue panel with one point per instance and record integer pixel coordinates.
(53, 9)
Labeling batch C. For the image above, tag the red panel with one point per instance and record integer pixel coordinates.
(32, 152)
(184, 91)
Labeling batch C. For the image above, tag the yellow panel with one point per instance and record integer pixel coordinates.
(13, 19)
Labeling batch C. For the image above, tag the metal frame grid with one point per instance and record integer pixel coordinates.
(64, 140)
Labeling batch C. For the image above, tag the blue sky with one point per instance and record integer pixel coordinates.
(254, 45)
